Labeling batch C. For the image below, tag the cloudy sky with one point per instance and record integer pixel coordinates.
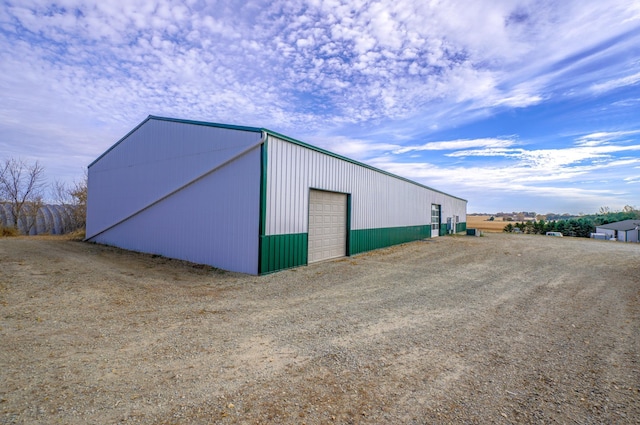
(511, 104)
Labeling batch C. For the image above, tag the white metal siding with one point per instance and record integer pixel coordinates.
(378, 200)
(610, 233)
(214, 221)
(133, 202)
(156, 159)
(327, 225)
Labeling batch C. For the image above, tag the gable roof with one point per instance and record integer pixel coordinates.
(152, 117)
(274, 134)
(621, 225)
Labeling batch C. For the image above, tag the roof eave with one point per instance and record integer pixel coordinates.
(361, 164)
(176, 120)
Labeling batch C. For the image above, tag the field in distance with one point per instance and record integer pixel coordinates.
(482, 223)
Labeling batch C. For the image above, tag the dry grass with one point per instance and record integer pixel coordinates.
(482, 222)
(6, 231)
(76, 235)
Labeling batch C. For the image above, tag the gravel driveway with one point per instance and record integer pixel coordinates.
(498, 329)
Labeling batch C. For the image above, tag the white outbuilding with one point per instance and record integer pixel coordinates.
(251, 200)
(623, 231)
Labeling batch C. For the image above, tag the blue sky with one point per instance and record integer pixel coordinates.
(513, 105)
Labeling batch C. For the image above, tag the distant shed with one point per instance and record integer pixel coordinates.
(624, 231)
(251, 200)
(47, 219)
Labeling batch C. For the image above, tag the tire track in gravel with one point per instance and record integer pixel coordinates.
(500, 329)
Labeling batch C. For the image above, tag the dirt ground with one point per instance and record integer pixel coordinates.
(495, 329)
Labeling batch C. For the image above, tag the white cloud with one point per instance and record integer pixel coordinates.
(457, 144)
(518, 100)
(561, 176)
(603, 137)
(628, 80)
(380, 60)
(352, 148)
(551, 159)
(555, 185)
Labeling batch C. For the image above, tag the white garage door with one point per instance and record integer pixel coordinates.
(327, 225)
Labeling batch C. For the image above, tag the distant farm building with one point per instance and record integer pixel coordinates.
(624, 231)
(46, 219)
(251, 200)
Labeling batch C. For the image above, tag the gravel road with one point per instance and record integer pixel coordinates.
(498, 329)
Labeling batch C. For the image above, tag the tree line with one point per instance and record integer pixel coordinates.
(22, 198)
(579, 227)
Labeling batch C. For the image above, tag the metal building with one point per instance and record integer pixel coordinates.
(47, 219)
(623, 231)
(251, 200)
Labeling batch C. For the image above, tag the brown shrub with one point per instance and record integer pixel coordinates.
(6, 231)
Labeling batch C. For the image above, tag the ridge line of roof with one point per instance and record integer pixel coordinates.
(178, 120)
(618, 225)
(207, 123)
(353, 161)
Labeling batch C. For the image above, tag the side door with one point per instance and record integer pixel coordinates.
(435, 220)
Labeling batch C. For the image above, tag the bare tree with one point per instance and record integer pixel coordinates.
(79, 193)
(21, 186)
(74, 198)
(604, 210)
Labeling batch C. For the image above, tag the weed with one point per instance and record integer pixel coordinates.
(8, 231)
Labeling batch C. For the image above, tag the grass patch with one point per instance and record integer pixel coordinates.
(6, 231)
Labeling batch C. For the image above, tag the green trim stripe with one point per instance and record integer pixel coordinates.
(280, 252)
(460, 227)
(207, 124)
(370, 239)
(263, 203)
(348, 223)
